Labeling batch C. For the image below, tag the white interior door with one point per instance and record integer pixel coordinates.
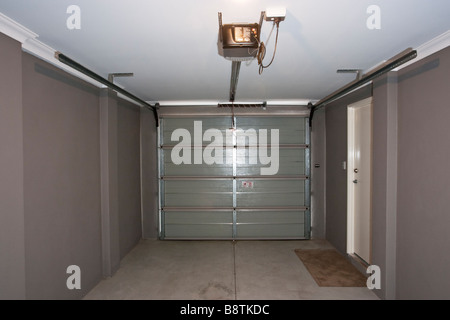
(359, 178)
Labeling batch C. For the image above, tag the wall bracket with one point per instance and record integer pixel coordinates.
(75, 65)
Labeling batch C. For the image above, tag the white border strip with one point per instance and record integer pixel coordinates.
(434, 45)
(44, 52)
(15, 30)
(205, 103)
(30, 44)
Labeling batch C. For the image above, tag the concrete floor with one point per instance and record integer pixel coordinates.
(219, 270)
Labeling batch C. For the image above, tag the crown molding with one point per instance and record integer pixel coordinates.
(44, 52)
(32, 45)
(428, 48)
(15, 30)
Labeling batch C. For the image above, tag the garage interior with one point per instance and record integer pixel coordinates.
(140, 146)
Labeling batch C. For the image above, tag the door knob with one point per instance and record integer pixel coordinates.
(356, 170)
(355, 181)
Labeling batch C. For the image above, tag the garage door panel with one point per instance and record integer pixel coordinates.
(215, 169)
(231, 198)
(291, 162)
(270, 193)
(269, 200)
(270, 231)
(262, 217)
(199, 217)
(191, 231)
(198, 193)
(170, 125)
(291, 130)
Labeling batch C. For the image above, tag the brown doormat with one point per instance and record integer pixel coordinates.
(330, 269)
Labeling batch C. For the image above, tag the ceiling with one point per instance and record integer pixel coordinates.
(171, 45)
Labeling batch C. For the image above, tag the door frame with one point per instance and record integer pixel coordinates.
(307, 191)
(350, 164)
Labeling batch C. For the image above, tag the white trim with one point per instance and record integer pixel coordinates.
(124, 97)
(350, 164)
(424, 50)
(434, 45)
(30, 44)
(202, 103)
(44, 52)
(186, 103)
(302, 102)
(350, 184)
(15, 30)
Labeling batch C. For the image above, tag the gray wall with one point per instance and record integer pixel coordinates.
(411, 148)
(423, 216)
(336, 176)
(129, 179)
(61, 180)
(109, 182)
(70, 178)
(384, 181)
(12, 231)
(318, 176)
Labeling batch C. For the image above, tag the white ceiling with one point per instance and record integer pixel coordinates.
(171, 45)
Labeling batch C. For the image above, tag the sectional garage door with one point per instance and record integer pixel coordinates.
(246, 178)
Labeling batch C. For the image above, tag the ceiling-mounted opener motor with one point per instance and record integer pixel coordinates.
(241, 42)
(238, 42)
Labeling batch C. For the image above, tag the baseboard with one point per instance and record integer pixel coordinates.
(360, 264)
